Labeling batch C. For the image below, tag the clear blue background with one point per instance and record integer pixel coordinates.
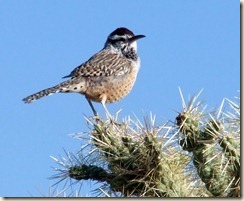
(189, 44)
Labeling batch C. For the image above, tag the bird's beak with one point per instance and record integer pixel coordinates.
(134, 38)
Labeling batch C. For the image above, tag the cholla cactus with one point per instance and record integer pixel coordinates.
(131, 158)
(214, 144)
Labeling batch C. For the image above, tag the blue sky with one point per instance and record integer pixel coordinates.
(189, 44)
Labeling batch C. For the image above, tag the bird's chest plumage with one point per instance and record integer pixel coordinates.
(115, 86)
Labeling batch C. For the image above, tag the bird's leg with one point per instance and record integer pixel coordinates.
(110, 116)
(96, 117)
(105, 108)
(93, 109)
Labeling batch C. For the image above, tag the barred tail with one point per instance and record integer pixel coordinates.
(40, 94)
(67, 86)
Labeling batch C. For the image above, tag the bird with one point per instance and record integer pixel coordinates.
(107, 76)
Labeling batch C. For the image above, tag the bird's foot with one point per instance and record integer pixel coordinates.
(112, 121)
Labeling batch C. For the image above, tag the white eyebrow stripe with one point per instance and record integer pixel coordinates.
(115, 37)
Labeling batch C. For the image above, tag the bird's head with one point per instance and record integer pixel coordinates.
(122, 39)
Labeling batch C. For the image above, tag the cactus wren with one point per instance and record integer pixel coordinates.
(107, 76)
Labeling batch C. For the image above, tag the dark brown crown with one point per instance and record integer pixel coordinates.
(122, 31)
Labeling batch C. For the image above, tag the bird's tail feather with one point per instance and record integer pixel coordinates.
(62, 87)
(40, 94)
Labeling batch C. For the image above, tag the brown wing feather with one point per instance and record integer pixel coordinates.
(103, 63)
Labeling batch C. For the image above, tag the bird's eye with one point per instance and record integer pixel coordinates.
(116, 39)
(121, 39)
